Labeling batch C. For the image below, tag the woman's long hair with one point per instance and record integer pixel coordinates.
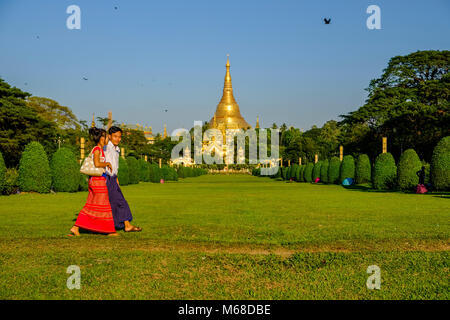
(96, 134)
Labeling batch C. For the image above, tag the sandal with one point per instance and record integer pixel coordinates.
(134, 229)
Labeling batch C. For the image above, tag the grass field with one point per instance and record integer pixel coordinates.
(231, 237)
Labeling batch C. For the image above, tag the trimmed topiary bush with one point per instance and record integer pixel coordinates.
(324, 171)
(155, 173)
(363, 171)
(334, 168)
(133, 170)
(2, 173)
(308, 172)
(283, 172)
(440, 165)
(347, 169)
(384, 172)
(302, 173)
(144, 173)
(123, 173)
(294, 171)
(408, 165)
(11, 183)
(34, 169)
(65, 171)
(83, 184)
(316, 170)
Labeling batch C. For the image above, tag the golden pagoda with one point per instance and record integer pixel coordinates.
(93, 121)
(227, 115)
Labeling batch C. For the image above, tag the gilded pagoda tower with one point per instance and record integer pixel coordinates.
(228, 115)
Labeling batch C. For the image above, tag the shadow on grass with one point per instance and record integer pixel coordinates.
(366, 188)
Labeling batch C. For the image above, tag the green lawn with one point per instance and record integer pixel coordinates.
(231, 237)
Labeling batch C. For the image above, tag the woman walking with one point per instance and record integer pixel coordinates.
(96, 214)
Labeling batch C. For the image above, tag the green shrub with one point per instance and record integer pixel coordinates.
(316, 170)
(11, 182)
(34, 169)
(277, 175)
(308, 172)
(133, 170)
(123, 174)
(167, 173)
(83, 184)
(408, 166)
(155, 173)
(294, 171)
(324, 171)
(289, 173)
(2, 173)
(333, 170)
(363, 172)
(298, 172)
(65, 171)
(302, 173)
(347, 168)
(440, 165)
(144, 173)
(283, 172)
(384, 172)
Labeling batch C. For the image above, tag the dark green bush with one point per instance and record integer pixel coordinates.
(333, 170)
(283, 172)
(384, 172)
(34, 169)
(144, 173)
(289, 173)
(11, 182)
(123, 174)
(168, 173)
(155, 173)
(298, 173)
(347, 168)
(324, 171)
(308, 172)
(133, 170)
(2, 173)
(316, 170)
(363, 172)
(440, 165)
(302, 173)
(294, 171)
(65, 171)
(83, 184)
(408, 166)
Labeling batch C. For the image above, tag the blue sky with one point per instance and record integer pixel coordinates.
(148, 56)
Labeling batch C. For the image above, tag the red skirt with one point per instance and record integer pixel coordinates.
(96, 214)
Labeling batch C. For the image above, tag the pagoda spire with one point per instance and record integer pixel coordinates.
(165, 132)
(227, 112)
(257, 122)
(93, 121)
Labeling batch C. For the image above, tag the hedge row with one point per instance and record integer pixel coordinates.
(385, 174)
(61, 173)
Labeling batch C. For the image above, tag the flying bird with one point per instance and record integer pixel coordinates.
(327, 21)
(37, 37)
(84, 78)
(115, 8)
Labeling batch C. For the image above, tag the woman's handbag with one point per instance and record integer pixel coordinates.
(88, 167)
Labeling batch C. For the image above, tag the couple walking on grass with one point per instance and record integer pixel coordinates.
(106, 210)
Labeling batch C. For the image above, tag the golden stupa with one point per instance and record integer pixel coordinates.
(227, 115)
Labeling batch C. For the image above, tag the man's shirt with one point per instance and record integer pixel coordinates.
(112, 154)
